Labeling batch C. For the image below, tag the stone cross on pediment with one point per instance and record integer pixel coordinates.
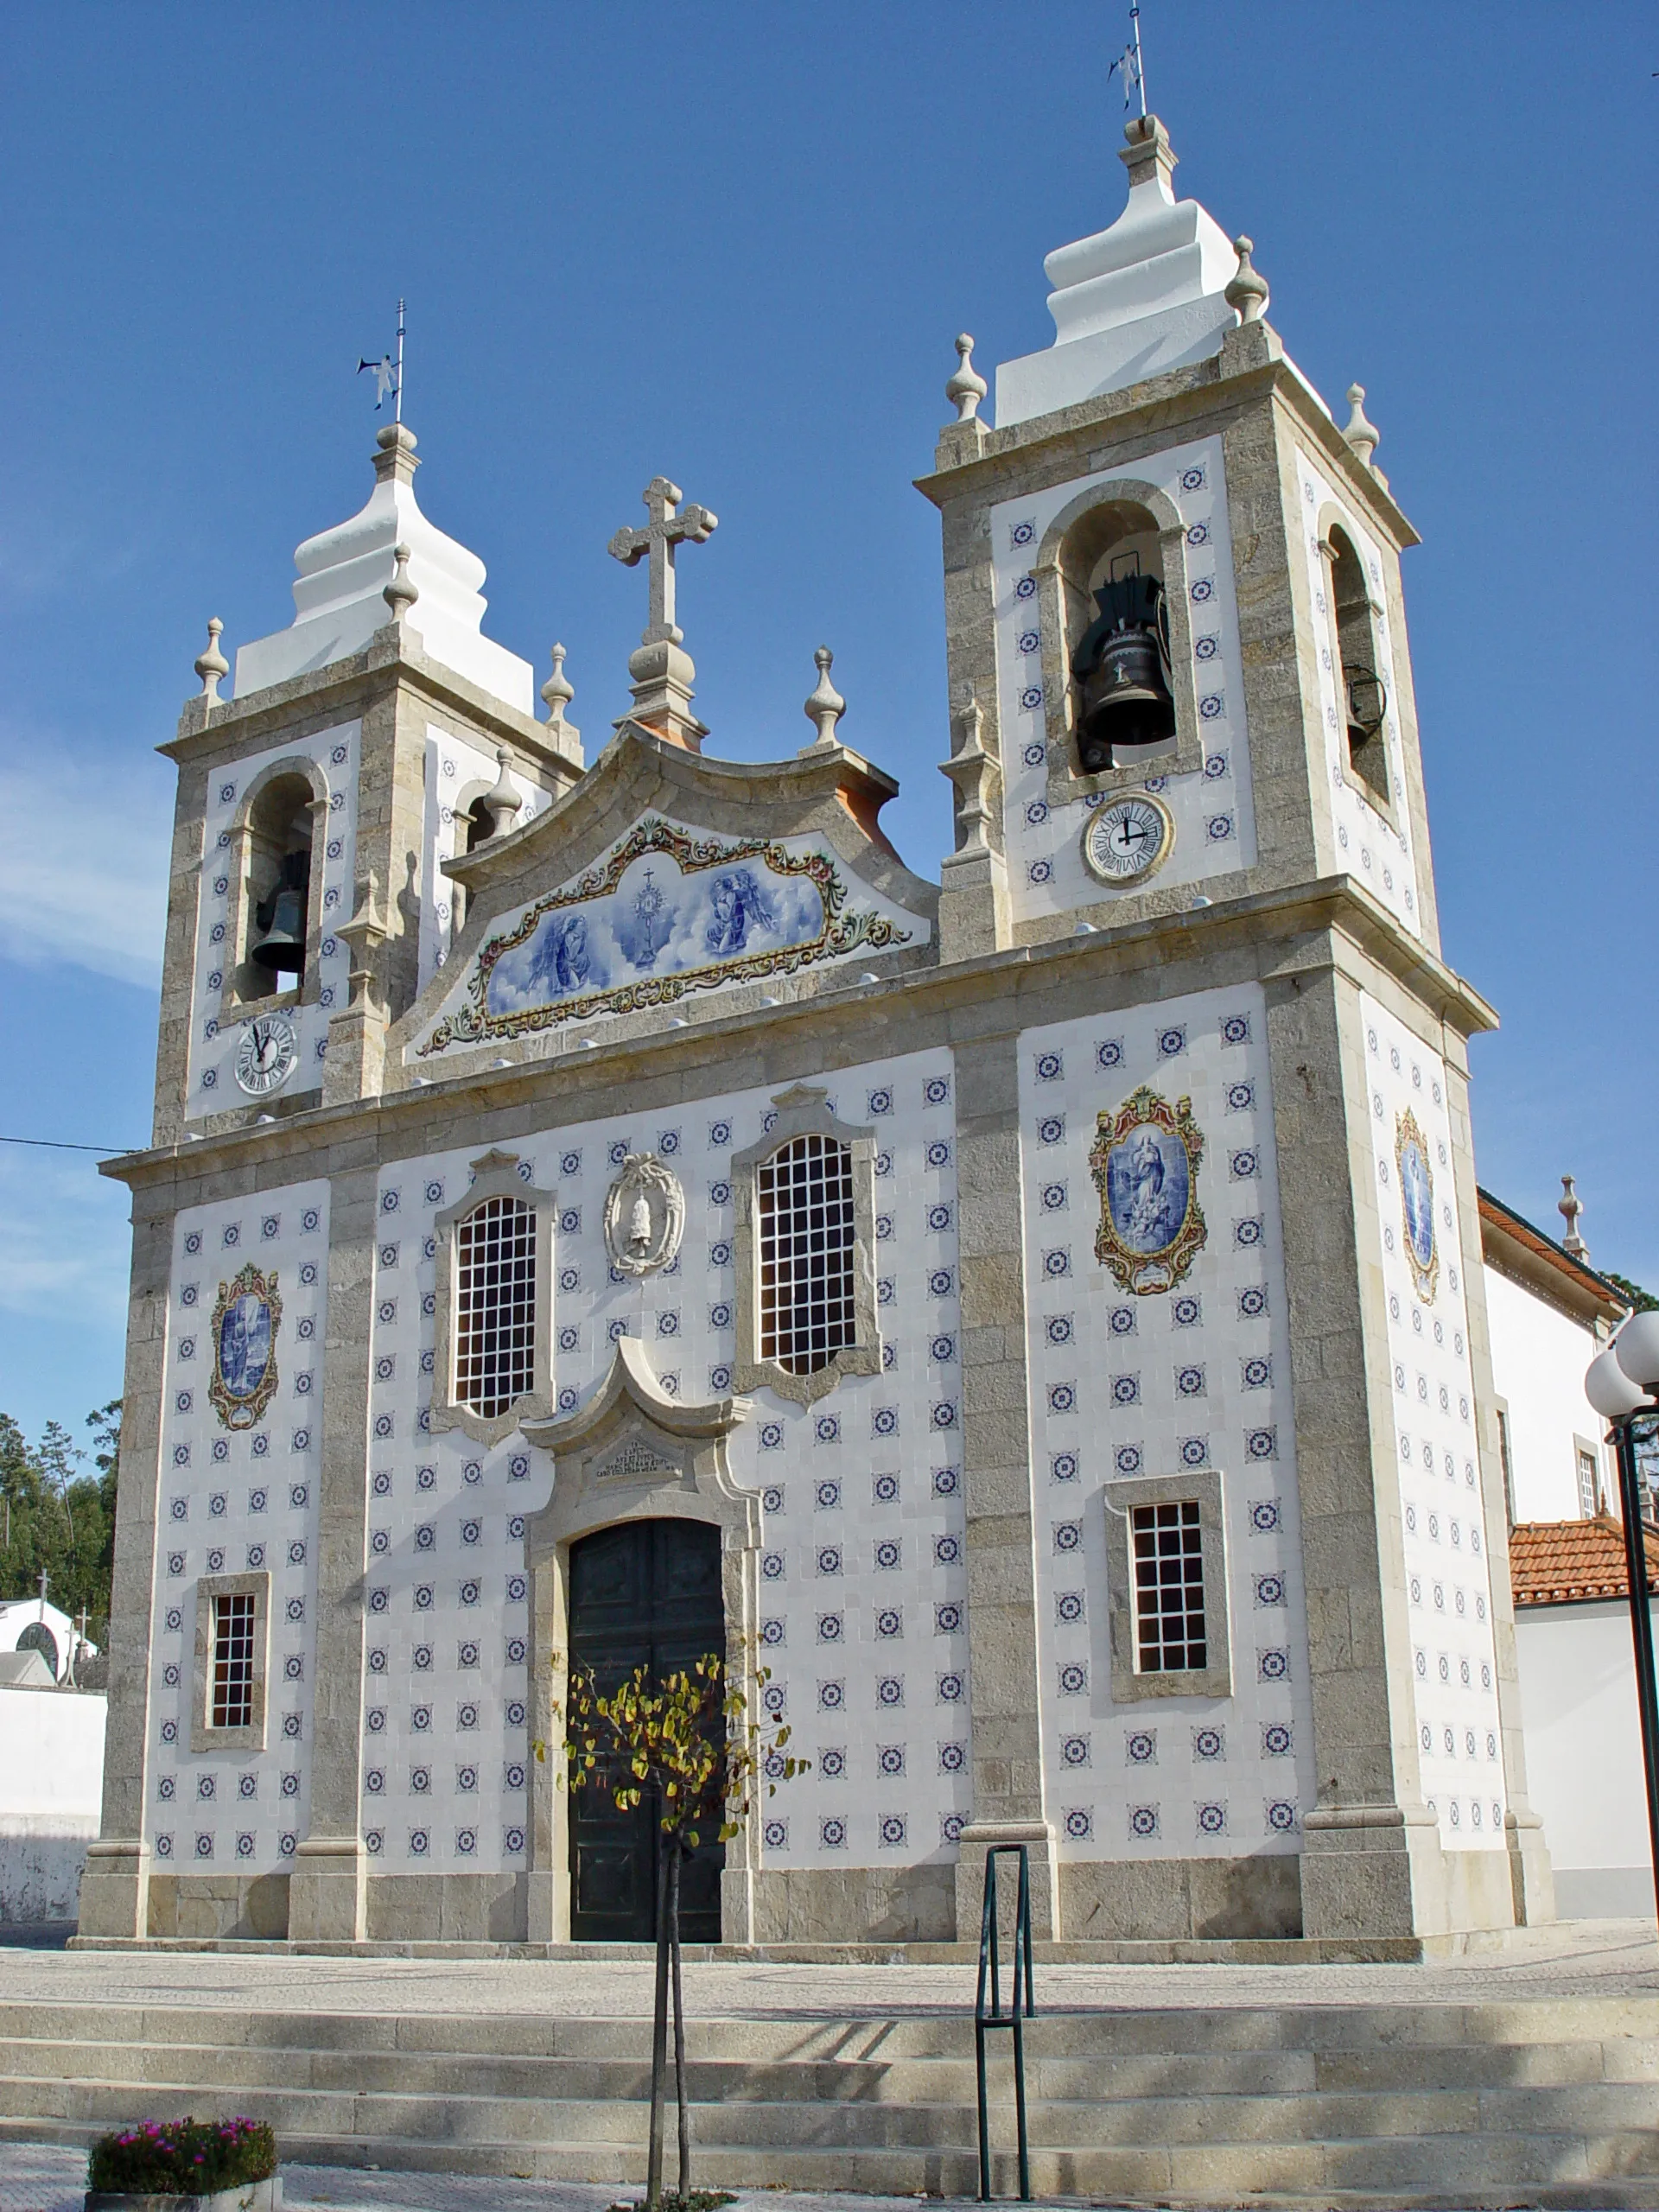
(669, 525)
(662, 671)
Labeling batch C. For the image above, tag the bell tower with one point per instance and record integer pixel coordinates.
(1170, 572)
(1184, 753)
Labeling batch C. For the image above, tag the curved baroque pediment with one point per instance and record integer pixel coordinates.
(605, 907)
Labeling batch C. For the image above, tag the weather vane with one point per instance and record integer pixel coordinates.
(1129, 61)
(389, 374)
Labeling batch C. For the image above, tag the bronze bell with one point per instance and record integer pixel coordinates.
(1122, 667)
(280, 917)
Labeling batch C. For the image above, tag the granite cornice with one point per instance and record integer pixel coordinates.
(1148, 416)
(1369, 927)
(1182, 402)
(1331, 924)
(340, 691)
(1362, 483)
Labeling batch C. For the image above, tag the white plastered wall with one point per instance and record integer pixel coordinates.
(1539, 1356)
(1584, 1755)
(51, 1786)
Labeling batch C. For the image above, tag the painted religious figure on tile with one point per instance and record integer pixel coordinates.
(1145, 1164)
(668, 913)
(1417, 1205)
(245, 1319)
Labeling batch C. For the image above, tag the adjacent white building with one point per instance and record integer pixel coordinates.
(1550, 1314)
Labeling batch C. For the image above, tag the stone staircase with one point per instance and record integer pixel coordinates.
(1550, 2102)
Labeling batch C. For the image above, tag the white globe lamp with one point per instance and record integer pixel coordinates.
(1636, 1349)
(1610, 1389)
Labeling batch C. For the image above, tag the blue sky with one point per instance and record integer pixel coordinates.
(733, 244)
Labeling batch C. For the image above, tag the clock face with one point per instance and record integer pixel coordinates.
(1128, 837)
(265, 1054)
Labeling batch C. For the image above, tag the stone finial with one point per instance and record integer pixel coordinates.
(967, 387)
(394, 460)
(1246, 287)
(1570, 1205)
(558, 690)
(502, 798)
(826, 706)
(1360, 433)
(211, 664)
(1147, 155)
(973, 768)
(400, 594)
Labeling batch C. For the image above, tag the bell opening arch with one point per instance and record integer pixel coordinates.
(1126, 538)
(277, 842)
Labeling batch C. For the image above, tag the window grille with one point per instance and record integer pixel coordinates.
(1589, 1485)
(805, 1200)
(495, 1305)
(1169, 1634)
(233, 1661)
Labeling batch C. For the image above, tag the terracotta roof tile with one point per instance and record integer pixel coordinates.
(1562, 1562)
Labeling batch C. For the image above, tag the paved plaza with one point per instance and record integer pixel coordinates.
(1580, 1958)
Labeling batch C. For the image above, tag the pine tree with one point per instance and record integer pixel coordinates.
(59, 1518)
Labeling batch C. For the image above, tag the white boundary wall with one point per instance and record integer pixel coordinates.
(51, 1783)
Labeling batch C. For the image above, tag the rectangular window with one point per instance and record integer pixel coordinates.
(803, 1195)
(1589, 1484)
(1169, 1634)
(233, 1624)
(495, 1305)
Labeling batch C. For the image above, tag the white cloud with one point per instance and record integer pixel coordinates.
(86, 875)
(64, 1240)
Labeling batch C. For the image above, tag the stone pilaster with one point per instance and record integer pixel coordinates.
(1371, 1863)
(356, 1061)
(973, 884)
(973, 880)
(328, 1888)
(114, 1890)
(1532, 1879)
(179, 957)
(996, 1482)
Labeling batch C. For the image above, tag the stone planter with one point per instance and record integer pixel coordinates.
(252, 2197)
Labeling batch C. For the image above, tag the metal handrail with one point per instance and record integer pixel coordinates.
(1022, 2009)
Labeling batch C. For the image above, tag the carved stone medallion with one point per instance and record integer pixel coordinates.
(1145, 1164)
(644, 1215)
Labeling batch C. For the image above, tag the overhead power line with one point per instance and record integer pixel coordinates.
(56, 1144)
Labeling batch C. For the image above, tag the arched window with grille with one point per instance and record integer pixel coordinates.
(804, 1208)
(495, 1305)
(494, 1269)
(805, 1223)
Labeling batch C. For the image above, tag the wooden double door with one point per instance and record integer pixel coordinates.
(646, 1594)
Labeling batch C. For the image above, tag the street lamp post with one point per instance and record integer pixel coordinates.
(1623, 1385)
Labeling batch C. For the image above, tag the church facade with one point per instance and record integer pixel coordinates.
(1033, 1321)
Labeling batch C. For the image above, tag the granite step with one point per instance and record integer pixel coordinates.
(1551, 2102)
